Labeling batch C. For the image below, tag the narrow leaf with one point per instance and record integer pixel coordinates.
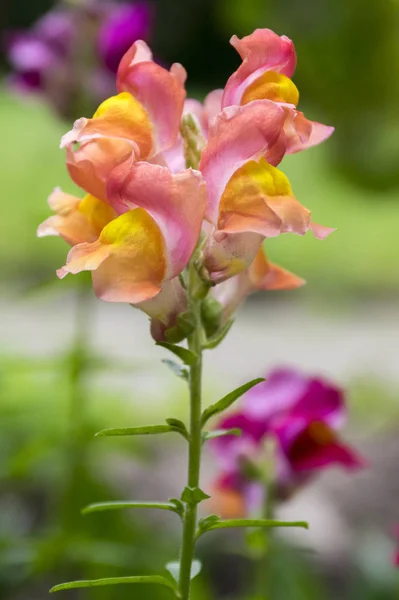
(228, 400)
(229, 523)
(145, 430)
(174, 569)
(177, 369)
(157, 579)
(101, 506)
(210, 435)
(188, 357)
(217, 339)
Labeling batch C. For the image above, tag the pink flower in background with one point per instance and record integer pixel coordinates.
(301, 415)
(396, 553)
(71, 54)
(125, 24)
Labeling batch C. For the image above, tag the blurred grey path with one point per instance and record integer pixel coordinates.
(362, 339)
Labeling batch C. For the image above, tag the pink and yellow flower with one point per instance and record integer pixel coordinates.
(137, 252)
(269, 62)
(144, 213)
(138, 123)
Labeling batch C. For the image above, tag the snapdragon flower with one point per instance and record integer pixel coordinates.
(131, 157)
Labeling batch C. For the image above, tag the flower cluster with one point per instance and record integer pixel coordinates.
(288, 423)
(165, 175)
(71, 54)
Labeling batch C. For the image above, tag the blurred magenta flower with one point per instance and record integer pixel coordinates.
(125, 23)
(301, 415)
(70, 55)
(396, 553)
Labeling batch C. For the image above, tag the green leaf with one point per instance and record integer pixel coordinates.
(145, 430)
(174, 569)
(210, 435)
(206, 522)
(193, 495)
(229, 523)
(217, 339)
(188, 357)
(101, 506)
(177, 369)
(179, 506)
(228, 400)
(178, 425)
(157, 579)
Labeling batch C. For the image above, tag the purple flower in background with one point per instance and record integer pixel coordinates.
(301, 415)
(69, 47)
(125, 24)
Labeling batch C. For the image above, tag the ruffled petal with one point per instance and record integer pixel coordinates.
(261, 275)
(76, 220)
(120, 117)
(318, 447)
(300, 133)
(261, 51)
(91, 163)
(264, 275)
(238, 135)
(259, 198)
(175, 202)
(128, 259)
(161, 92)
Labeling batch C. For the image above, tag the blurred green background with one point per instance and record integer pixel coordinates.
(65, 374)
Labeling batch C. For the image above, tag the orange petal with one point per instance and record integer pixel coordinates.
(259, 198)
(264, 275)
(76, 220)
(128, 259)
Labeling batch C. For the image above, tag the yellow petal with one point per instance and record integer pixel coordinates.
(272, 86)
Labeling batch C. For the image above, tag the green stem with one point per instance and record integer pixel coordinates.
(77, 373)
(262, 565)
(190, 515)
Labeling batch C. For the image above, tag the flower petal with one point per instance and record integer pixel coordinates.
(230, 255)
(271, 86)
(76, 220)
(120, 117)
(300, 133)
(259, 198)
(161, 92)
(90, 164)
(264, 275)
(128, 259)
(238, 135)
(164, 308)
(175, 202)
(261, 51)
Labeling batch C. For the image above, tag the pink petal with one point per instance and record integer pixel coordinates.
(164, 308)
(261, 51)
(176, 203)
(161, 92)
(300, 133)
(231, 255)
(238, 135)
